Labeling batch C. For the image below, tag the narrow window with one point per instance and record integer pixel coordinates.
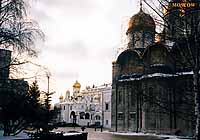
(98, 117)
(120, 116)
(87, 116)
(120, 97)
(107, 107)
(133, 115)
(151, 96)
(106, 122)
(132, 99)
(82, 114)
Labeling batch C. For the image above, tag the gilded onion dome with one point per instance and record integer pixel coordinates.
(77, 85)
(141, 21)
(67, 92)
(61, 97)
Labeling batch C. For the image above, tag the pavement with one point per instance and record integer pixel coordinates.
(19, 136)
(106, 135)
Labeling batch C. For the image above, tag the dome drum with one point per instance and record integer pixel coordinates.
(141, 21)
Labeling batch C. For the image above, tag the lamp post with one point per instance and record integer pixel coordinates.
(102, 100)
(47, 83)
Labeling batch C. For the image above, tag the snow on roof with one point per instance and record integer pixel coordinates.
(158, 75)
(71, 134)
(148, 76)
(125, 78)
(186, 73)
(157, 65)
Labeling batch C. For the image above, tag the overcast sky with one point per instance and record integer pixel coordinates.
(82, 37)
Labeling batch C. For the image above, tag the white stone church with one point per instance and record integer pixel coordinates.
(91, 106)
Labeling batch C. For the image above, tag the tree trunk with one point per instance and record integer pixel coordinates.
(6, 128)
(197, 103)
(137, 111)
(196, 74)
(174, 107)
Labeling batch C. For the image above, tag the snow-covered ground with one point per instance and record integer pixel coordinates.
(21, 135)
(91, 130)
(166, 137)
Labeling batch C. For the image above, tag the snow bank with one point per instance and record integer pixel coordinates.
(166, 137)
(21, 135)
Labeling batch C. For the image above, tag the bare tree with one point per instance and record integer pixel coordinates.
(17, 31)
(180, 21)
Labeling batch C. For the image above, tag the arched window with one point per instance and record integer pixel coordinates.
(151, 96)
(119, 97)
(97, 117)
(82, 114)
(72, 115)
(87, 116)
(133, 98)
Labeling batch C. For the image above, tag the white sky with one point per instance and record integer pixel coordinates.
(82, 37)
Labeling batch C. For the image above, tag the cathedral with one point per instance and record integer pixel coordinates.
(88, 107)
(151, 82)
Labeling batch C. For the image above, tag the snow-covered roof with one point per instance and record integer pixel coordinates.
(185, 73)
(157, 65)
(125, 78)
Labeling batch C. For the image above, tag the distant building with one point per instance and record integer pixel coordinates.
(5, 60)
(91, 106)
(18, 86)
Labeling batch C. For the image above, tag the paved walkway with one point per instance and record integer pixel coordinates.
(106, 135)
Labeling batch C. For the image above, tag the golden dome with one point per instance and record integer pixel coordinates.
(141, 21)
(77, 85)
(67, 92)
(61, 97)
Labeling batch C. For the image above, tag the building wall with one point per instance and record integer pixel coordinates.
(5, 59)
(90, 101)
(156, 104)
(151, 86)
(106, 107)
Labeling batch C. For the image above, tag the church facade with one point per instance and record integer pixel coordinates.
(90, 106)
(151, 89)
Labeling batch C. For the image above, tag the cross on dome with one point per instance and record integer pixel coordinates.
(140, 5)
